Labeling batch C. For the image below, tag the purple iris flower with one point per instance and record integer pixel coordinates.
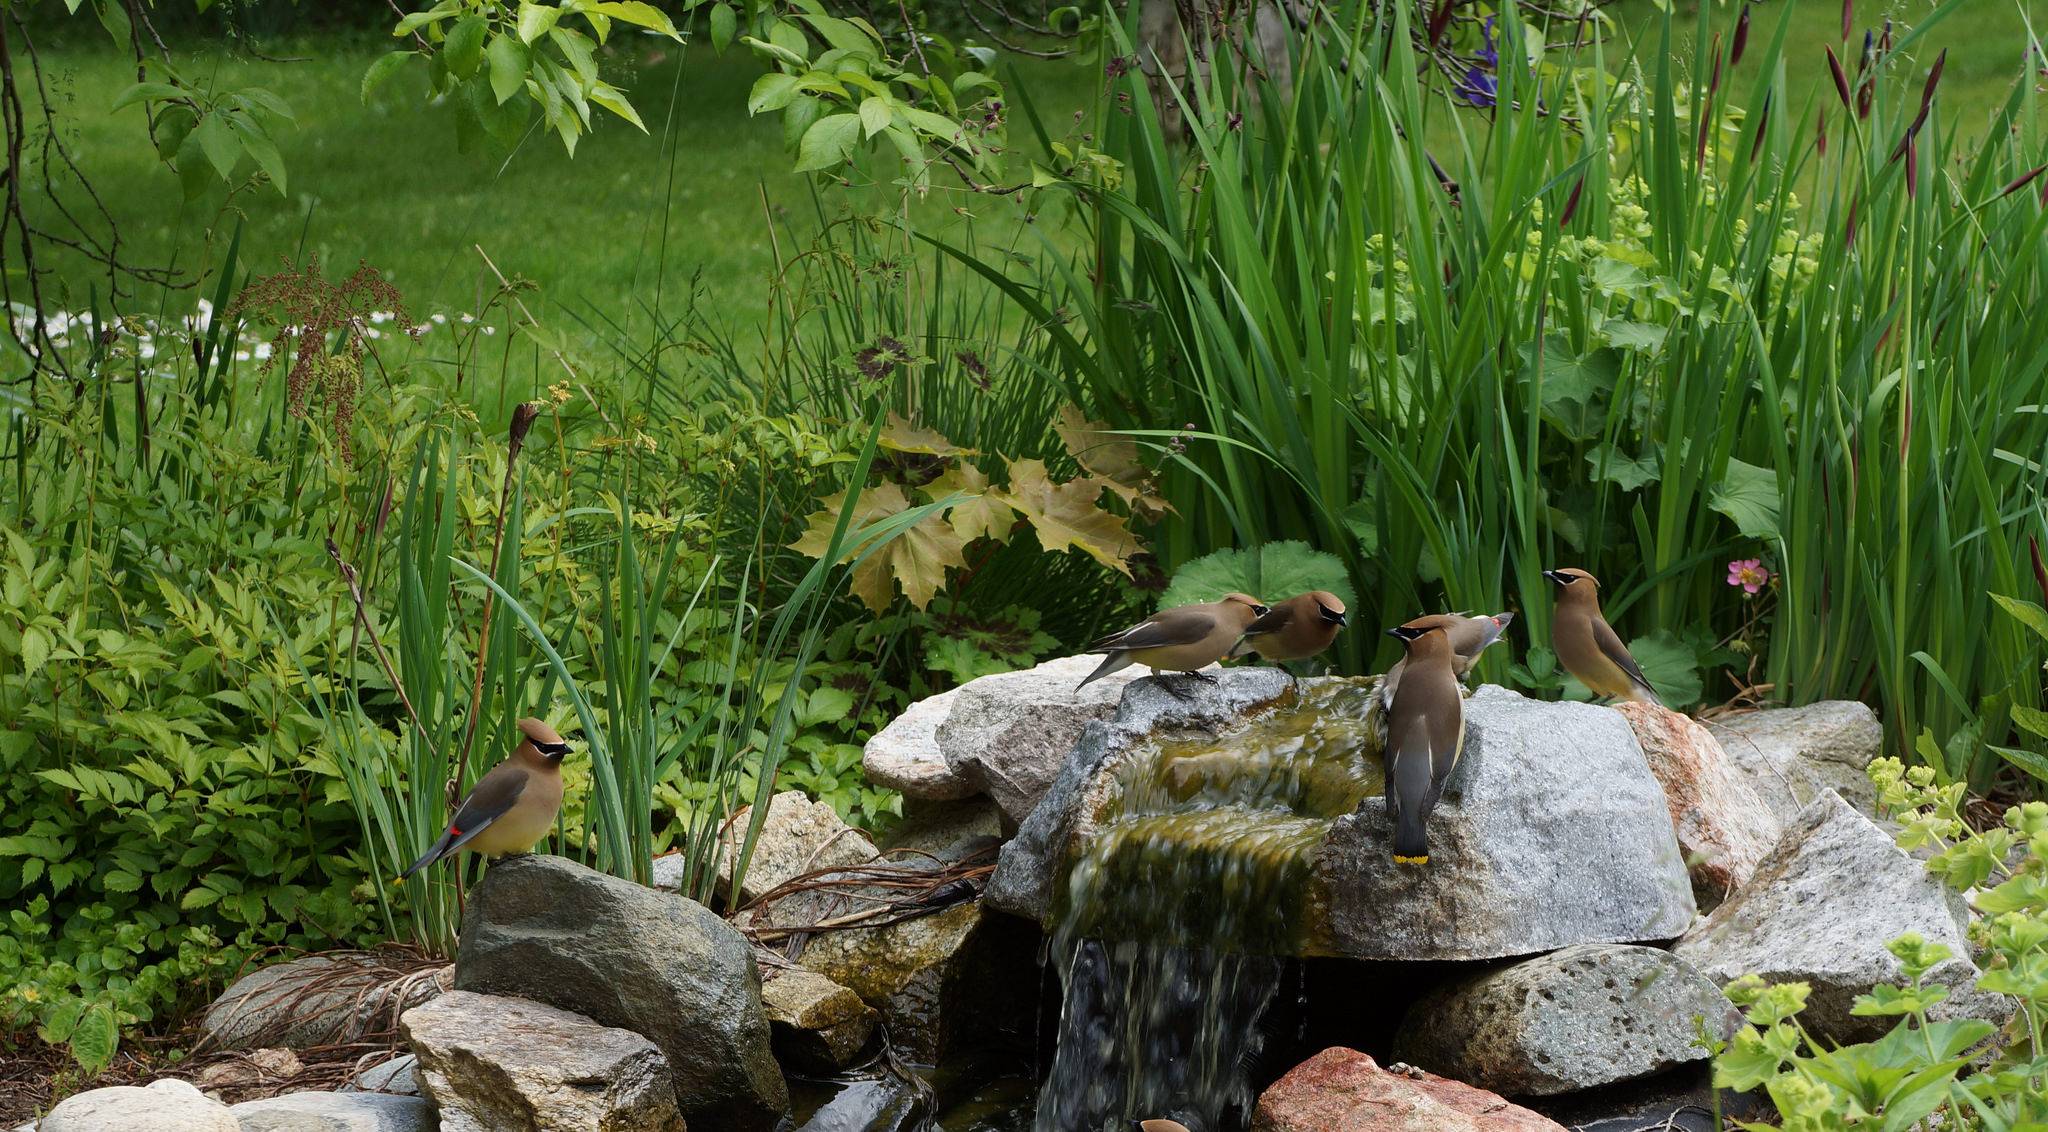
(1477, 88)
(1489, 56)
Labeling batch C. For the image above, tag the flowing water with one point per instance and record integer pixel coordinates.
(1177, 915)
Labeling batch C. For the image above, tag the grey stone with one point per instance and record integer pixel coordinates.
(1820, 910)
(818, 1024)
(317, 1000)
(126, 1108)
(940, 981)
(658, 964)
(336, 1112)
(905, 755)
(1551, 832)
(1573, 1019)
(1009, 734)
(1792, 756)
(798, 835)
(1034, 861)
(947, 831)
(497, 1064)
(399, 1076)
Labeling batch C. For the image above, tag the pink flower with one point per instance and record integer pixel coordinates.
(1749, 573)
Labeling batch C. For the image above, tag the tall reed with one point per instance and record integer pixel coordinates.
(1629, 326)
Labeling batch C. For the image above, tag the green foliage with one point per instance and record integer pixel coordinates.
(1921, 1070)
(1273, 572)
(498, 62)
(1646, 337)
(834, 79)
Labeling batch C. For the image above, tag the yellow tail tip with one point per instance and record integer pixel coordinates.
(1400, 860)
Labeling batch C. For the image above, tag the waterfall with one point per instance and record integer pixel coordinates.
(1176, 918)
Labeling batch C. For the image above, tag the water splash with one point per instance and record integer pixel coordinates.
(1175, 917)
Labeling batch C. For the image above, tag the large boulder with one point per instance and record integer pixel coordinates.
(1034, 861)
(162, 1106)
(1010, 733)
(905, 755)
(1343, 1090)
(941, 981)
(1551, 832)
(658, 964)
(336, 1112)
(496, 1064)
(798, 835)
(1724, 828)
(314, 1001)
(1573, 1019)
(1820, 910)
(1792, 756)
(818, 1025)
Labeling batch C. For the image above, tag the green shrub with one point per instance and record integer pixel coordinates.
(1923, 1070)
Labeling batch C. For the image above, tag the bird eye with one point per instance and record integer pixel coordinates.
(1262, 610)
(555, 750)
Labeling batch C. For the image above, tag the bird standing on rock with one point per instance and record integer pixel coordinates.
(1587, 645)
(1183, 639)
(1295, 629)
(511, 808)
(1425, 736)
(1469, 637)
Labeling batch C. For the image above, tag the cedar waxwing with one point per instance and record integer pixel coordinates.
(511, 808)
(1469, 637)
(1182, 639)
(1425, 736)
(1586, 644)
(1159, 1126)
(1295, 629)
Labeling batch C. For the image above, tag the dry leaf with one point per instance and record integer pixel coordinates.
(1067, 515)
(900, 435)
(983, 516)
(916, 558)
(1113, 459)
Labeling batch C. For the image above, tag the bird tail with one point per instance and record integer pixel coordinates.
(439, 850)
(1412, 815)
(1110, 663)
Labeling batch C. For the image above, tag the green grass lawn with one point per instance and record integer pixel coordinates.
(386, 183)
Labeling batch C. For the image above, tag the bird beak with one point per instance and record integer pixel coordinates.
(1558, 576)
(1342, 620)
(1396, 633)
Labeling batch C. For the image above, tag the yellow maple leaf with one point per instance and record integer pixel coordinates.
(1114, 461)
(917, 558)
(1067, 515)
(985, 515)
(899, 435)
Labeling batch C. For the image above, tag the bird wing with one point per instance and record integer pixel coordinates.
(493, 794)
(1610, 645)
(1446, 746)
(1159, 632)
(1271, 621)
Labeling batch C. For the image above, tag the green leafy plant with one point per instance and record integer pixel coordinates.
(1923, 1070)
(1274, 571)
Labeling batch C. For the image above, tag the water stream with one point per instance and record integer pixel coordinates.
(1177, 916)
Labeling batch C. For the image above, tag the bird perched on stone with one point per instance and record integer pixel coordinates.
(1183, 639)
(1425, 736)
(511, 808)
(1295, 629)
(1469, 637)
(1586, 644)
